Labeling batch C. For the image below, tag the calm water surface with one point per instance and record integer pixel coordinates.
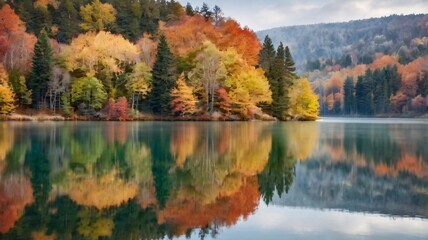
(331, 179)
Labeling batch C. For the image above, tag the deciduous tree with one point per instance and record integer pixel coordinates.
(97, 16)
(303, 101)
(88, 91)
(6, 93)
(208, 74)
(183, 102)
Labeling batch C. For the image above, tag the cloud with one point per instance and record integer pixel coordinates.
(260, 15)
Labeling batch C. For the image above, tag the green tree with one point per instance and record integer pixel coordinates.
(363, 94)
(150, 17)
(41, 19)
(88, 91)
(277, 80)
(139, 84)
(163, 76)
(19, 85)
(41, 70)
(288, 79)
(128, 18)
(349, 97)
(189, 10)
(289, 67)
(206, 12)
(68, 21)
(217, 15)
(267, 55)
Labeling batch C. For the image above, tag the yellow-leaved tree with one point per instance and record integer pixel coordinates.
(6, 94)
(304, 103)
(97, 16)
(140, 83)
(92, 52)
(103, 55)
(246, 85)
(184, 102)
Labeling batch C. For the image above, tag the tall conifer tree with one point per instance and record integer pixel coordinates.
(41, 70)
(278, 74)
(163, 79)
(348, 98)
(68, 22)
(267, 55)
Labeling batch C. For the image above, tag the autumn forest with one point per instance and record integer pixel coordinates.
(120, 60)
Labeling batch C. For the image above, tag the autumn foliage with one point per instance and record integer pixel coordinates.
(16, 46)
(15, 194)
(104, 192)
(116, 110)
(226, 211)
(190, 33)
(6, 94)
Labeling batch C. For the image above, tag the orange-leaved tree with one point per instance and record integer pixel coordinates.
(184, 102)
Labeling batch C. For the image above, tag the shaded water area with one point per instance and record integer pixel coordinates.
(331, 179)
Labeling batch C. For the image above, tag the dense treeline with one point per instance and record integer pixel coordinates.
(113, 59)
(384, 87)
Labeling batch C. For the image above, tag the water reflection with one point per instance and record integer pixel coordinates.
(154, 180)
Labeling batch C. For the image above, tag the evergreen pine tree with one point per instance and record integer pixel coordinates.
(267, 55)
(290, 73)
(277, 77)
(364, 93)
(189, 10)
(368, 85)
(359, 95)
(163, 79)
(163, 10)
(266, 59)
(128, 18)
(289, 65)
(150, 16)
(41, 19)
(41, 70)
(348, 98)
(206, 12)
(379, 91)
(68, 21)
(395, 82)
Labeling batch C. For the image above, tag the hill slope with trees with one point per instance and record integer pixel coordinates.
(116, 59)
(372, 67)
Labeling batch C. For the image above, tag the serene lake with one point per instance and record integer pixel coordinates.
(331, 179)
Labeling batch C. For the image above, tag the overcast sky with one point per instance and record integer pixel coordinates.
(264, 14)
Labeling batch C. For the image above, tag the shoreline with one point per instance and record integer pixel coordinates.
(60, 118)
(147, 118)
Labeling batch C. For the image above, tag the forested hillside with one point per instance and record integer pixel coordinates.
(366, 67)
(115, 59)
(356, 42)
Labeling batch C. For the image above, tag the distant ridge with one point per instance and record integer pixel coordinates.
(359, 38)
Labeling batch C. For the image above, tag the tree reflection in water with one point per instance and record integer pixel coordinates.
(153, 180)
